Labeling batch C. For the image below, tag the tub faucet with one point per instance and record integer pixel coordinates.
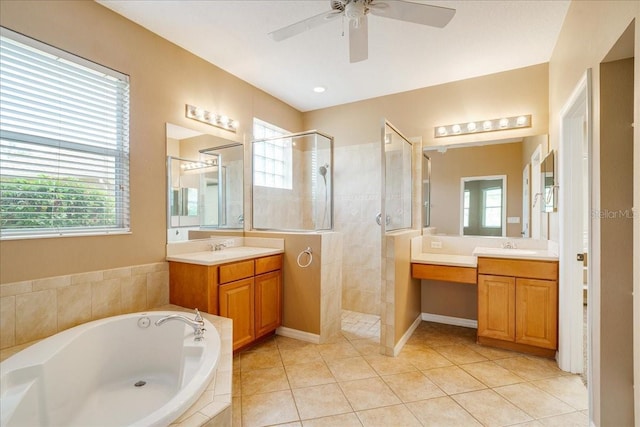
(197, 324)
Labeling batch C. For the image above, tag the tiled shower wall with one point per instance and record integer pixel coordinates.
(357, 202)
(35, 309)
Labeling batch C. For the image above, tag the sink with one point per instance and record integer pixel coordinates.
(504, 251)
(234, 253)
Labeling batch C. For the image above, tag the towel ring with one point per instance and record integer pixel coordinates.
(309, 253)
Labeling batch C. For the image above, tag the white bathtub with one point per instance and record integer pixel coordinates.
(91, 375)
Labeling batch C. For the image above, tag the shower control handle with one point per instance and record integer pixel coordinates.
(379, 219)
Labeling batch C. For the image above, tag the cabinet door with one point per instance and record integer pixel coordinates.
(496, 307)
(268, 288)
(193, 286)
(237, 302)
(537, 312)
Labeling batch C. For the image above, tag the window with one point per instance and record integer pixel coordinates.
(466, 207)
(64, 143)
(492, 207)
(272, 164)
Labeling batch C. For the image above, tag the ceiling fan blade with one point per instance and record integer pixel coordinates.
(304, 25)
(358, 39)
(423, 14)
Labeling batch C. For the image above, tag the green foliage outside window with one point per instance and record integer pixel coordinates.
(46, 203)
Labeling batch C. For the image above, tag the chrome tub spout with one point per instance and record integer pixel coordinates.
(197, 323)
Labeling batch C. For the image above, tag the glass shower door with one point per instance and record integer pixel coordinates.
(396, 180)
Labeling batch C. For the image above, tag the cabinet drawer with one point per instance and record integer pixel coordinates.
(445, 273)
(531, 269)
(268, 263)
(236, 271)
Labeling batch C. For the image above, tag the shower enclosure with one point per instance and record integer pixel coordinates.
(293, 182)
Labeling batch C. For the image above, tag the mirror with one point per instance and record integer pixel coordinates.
(204, 182)
(483, 206)
(547, 180)
(511, 158)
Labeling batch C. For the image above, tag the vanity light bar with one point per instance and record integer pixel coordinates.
(481, 126)
(213, 119)
(199, 165)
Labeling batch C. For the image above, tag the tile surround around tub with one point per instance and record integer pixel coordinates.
(36, 309)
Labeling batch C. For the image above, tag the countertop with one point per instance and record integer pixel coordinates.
(232, 254)
(445, 259)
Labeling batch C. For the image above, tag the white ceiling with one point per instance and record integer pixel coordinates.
(483, 37)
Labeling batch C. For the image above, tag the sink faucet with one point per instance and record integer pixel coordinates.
(509, 245)
(217, 246)
(197, 324)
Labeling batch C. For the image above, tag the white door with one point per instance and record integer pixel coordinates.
(526, 200)
(574, 234)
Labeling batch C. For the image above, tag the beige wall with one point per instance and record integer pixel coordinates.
(164, 78)
(449, 167)
(416, 113)
(589, 31)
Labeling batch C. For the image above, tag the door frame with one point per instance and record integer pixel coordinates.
(575, 127)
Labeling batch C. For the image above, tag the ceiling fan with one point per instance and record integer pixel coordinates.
(356, 12)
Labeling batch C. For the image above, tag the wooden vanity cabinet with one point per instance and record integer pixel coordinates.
(518, 304)
(194, 286)
(250, 293)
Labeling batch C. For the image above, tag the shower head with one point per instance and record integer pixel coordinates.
(323, 169)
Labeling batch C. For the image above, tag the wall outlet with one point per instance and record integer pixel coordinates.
(436, 245)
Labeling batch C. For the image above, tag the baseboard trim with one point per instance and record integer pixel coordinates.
(298, 335)
(398, 347)
(448, 320)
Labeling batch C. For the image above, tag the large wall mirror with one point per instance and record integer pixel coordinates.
(512, 161)
(204, 182)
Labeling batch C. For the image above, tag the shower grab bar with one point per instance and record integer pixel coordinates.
(309, 253)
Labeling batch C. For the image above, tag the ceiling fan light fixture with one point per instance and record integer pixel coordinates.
(354, 10)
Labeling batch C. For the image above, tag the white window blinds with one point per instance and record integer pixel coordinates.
(64, 143)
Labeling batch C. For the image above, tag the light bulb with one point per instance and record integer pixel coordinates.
(471, 127)
(504, 123)
(442, 131)
(521, 121)
(487, 125)
(455, 128)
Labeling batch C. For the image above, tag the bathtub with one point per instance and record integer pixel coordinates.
(118, 371)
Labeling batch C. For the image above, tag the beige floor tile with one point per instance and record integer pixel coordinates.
(286, 342)
(304, 354)
(293, 424)
(534, 423)
(397, 415)
(367, 347)
(491, 374)
(531, 368)
(264, 380)
(460, 354)
(441, 412)
(352, 368)
(338, 350)
(268, 409)
(412, 386)
(321, 401)
(236, 411)
(309, 374)
(344, 420)
(533, 401)
(492, 353)
(570, 389)
(386, 365)
(573, 419)
(452, 380)
(368, 393)
(265, 358)
(424, 358)
(490, 408)
(236, 384)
